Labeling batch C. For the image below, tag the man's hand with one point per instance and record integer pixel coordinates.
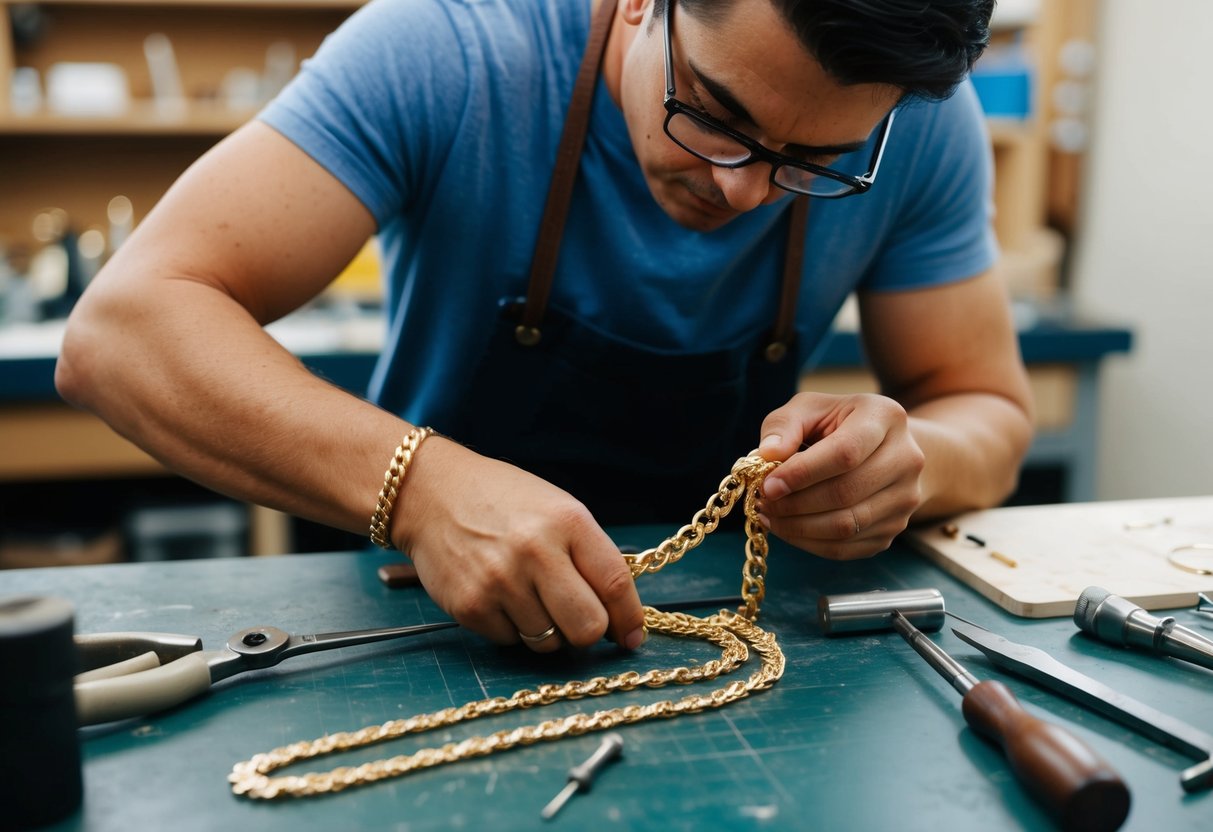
(856, 483)
(507, 553)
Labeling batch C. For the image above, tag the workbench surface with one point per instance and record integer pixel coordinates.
(860, 734)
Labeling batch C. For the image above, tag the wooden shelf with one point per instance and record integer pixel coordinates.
(144, 118)
(78, 163)
(1008, 132)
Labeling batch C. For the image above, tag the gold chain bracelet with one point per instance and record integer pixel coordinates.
(393, 477)
(734, 632)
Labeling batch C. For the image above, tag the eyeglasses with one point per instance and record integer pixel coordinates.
(707, 138)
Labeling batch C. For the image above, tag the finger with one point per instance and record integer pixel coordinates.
(783, 431)
(855, 531)
(603, 568)
(574, 607)
(830, 527)
(494, 598)
(494, 624)
(534, 627)
(530, 621)
(843, 490)
(832, 456)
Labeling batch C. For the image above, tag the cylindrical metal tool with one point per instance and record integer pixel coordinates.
(39, 749)
(867, 611)
(1119, 621)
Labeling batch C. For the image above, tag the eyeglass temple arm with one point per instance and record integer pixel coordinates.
(669, 60)
(880, 146)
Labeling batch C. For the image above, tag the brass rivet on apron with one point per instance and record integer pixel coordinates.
(775, 351)
(528, 336)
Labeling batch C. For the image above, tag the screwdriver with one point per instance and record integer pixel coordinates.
(1081, 790)
(582, 777)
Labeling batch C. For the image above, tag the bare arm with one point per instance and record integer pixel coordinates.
(950, 356)
(167, 346)
(948, 433)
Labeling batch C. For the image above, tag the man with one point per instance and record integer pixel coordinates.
(609, 368)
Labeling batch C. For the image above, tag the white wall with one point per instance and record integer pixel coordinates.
(1144, 251)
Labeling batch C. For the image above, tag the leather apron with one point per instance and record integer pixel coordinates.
(639, 436)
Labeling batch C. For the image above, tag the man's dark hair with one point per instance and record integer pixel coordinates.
(923, 47)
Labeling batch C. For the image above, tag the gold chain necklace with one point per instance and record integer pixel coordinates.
(734, 632)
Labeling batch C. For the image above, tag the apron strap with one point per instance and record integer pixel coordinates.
(560, 192)
(789, 292)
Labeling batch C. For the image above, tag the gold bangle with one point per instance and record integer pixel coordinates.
(1198, 564)
(392, 478)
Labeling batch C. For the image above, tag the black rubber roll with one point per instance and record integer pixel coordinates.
(40, 779)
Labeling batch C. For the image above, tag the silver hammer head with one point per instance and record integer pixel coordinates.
(859, 612)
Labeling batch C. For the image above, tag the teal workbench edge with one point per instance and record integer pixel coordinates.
(32, 379)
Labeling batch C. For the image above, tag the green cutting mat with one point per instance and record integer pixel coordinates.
(859, 735)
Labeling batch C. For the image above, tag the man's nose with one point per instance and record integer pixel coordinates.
(745, 188)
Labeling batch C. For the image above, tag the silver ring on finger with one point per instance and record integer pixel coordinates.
(544, 636)
(855, 520)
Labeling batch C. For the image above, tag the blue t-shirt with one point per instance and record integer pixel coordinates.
(443, 118)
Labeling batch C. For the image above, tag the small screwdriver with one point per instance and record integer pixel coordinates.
(1081, 790)
(582, 777)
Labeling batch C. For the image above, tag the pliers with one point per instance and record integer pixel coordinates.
(132, 674)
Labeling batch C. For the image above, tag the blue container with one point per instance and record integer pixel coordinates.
(1003, 81)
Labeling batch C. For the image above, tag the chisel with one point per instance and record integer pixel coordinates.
(1082, 791)
(1038, 666)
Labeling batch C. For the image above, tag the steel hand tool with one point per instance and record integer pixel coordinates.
(1119, 621)
(582, 777)
(132, 674)
(1077, 787)
(1038, 666)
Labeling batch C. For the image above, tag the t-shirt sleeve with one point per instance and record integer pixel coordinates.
(379, 101)
(944, 232)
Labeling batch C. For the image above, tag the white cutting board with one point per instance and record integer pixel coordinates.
(1060, 550)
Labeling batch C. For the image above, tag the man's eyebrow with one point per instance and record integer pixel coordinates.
(722, 94)
(729, 101)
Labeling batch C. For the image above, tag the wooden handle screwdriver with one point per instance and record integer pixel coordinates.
(1077, 787)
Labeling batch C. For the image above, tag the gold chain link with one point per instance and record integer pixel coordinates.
(735, 633)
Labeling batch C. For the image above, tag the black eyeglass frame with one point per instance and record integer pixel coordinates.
(758, 153)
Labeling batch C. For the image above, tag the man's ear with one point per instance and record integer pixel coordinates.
(632, 11)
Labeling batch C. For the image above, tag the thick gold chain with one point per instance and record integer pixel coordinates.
(746, 478)
(735, 633)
